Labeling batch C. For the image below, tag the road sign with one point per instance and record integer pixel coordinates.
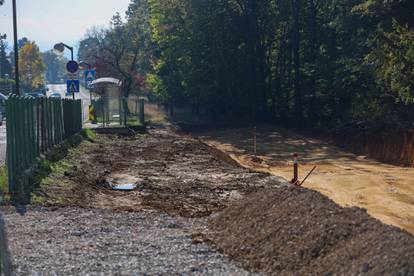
(89, 84)
(72, 66)
(89, 75)
(72, 86)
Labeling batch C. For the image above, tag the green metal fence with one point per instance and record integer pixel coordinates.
(34, 126)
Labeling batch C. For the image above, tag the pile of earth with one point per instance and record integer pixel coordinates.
(295, 231)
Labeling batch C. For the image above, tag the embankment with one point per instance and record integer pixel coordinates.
(390, 145)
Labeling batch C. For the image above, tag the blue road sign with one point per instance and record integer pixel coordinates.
(90, 75)
(72, 66)
(72, 86)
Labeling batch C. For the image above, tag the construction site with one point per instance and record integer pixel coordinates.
(209, 190)
(214, 137)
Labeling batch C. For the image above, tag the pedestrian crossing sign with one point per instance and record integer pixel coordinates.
(72, 86)
(89, 75)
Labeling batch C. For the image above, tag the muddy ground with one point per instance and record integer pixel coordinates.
(175, 174)
(386, 191)
(255, 218)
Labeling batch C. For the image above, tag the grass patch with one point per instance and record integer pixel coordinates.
(89, 134)
(4, 180)
(53, 163)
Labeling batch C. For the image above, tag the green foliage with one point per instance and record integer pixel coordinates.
(55, 164)
(55, 67)
(309, 62)
(6, 82)
(89, 134)
(5, 65)
(393, 60)
(3, 180)
(123, 50)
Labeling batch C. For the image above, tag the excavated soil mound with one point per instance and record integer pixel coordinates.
(295, 231)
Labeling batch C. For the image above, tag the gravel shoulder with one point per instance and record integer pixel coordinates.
(75, 241)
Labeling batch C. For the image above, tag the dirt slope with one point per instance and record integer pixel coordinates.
(386, 191)
(293, 231)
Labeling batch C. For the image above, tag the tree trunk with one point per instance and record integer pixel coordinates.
(312, 85)
(298, 113)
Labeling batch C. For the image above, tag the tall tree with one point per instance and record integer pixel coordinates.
(32, 67)
(55, 67)
(5, 65)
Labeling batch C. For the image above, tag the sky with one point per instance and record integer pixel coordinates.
(51, 21)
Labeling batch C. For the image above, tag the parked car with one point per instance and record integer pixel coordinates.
(3, 99)
(35, 95)
(55, 95)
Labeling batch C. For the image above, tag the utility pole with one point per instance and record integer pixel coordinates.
(16, 50)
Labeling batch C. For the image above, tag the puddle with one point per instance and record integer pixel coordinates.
(123, 182)
(125, 187)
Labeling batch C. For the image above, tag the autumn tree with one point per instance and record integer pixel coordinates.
(32, 67)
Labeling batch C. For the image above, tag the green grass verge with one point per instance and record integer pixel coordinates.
(4, 180)
(52, 163)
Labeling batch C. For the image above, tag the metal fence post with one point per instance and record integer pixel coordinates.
(142, 111)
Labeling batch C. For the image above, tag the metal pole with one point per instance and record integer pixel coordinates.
(295, 169)
(71, 53)
(16, 50)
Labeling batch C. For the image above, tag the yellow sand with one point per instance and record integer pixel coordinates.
(385, 191)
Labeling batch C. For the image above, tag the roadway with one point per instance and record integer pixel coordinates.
(53, 88)
(84, 95)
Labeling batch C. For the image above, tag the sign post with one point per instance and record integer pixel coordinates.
(89, 78)
(73, 84)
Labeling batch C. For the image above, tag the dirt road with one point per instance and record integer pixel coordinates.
(386, 191)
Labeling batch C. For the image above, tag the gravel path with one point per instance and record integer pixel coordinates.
(73, 241)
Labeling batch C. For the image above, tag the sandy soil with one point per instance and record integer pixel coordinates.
(386, 191)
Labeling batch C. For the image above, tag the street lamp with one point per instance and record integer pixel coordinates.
(60, 47)
(16, 50)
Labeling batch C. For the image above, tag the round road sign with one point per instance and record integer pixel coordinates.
(72, 66)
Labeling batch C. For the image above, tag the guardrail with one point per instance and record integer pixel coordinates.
(34, 126)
